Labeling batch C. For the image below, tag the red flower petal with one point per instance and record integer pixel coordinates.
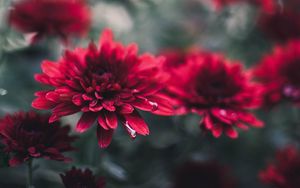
(250, 119)
(104, 136)
(102, 121)
(86, 121)
(125, 109)
(106, 37)
(137, 123)
(217, 130)
(144, 104)
(111, 120)
(165, 105)
(15, 161)
(229, 131)
(65, 109)
(42, 103)
(51, 69)
(208, 123)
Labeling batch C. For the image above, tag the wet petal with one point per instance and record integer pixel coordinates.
(137, 123)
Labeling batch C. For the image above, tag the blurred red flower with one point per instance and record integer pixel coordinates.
(285, 171)
(208, 174)
(29, 135)
(282, 22)
(217, 89)
(279, 72)
(77, 178)
(51, 17)
(222, 3)
(107, 84)
(266, 5)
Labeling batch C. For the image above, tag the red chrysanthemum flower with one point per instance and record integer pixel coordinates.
(208, 174)
(282, 23)
(285, 171)
(107, 84)
(29, 135)
(220, 91)
(76, 178)
(51, 17)
(279, 72)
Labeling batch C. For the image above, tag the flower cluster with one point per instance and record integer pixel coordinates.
(219, 90)
(279, 73)
(77, 178)
(285, 171)
(107, 84)
(51, 17)
(29, 135)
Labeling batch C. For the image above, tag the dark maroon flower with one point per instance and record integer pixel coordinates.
(217, 89)
(282, 22)
(285, 171)
(29, 135)
(107, 84)
(51, 17)
(76, 178)
(203, 174)
(279, 72)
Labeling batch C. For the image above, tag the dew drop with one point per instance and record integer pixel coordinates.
(223, 112)
(154, 105)
(131, 131)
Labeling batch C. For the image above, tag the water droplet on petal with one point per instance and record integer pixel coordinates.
(154, 105)
(223, 112)
(130, 130)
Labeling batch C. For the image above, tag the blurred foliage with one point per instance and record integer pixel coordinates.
(148, 162)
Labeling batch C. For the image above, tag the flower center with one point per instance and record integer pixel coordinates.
(30, 127)
(103, 91)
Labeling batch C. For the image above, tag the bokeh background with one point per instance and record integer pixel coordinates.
(149, 162)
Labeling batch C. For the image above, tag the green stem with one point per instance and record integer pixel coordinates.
(30, 172)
